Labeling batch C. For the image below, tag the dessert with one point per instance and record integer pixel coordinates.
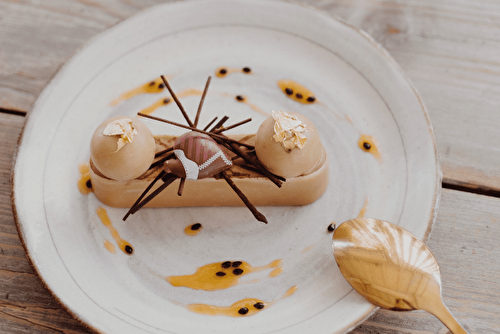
(207, 168)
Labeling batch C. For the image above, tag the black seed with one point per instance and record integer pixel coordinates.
(259, 305)
(152, 83)
(236, 264)
(367, 146)
(238, 271)
(240, 97)
(226, 264)
(243, 310)
(220, 273)
(161, 86)
(288, 91)
(311, 99)
(196, 226)
(247, 69)
(129, 249)
(166, 101)
(299, 96)
(222, 71)
(332, 227)
(88, 184)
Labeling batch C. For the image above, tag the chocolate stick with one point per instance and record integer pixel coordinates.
(157, 154)
(167, 180)
(211, 122)
(213, 135)
(219, 124)
(129, 212)
(162, 160)
(277, 180)
(259, 216)
(201, 102)
(181, 186)
(177, 101)
(232, 126)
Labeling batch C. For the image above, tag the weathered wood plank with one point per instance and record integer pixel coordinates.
(449, 49)
(36, 38)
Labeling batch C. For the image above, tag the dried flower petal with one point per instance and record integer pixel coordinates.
(289, 130)
(121, 128)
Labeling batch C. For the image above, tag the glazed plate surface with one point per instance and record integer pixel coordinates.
(359, 92)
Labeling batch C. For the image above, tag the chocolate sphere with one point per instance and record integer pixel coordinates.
(289, 162)
(130, 160)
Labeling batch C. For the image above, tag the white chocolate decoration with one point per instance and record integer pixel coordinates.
(122, 148)
(289, 130)
(302, 153)
(122, 129)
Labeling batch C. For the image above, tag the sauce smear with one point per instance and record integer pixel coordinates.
(244, 307)
(84, 183)
(296, 91)
(124, 245)
(220, 275)
(369, 144)
(193, 229)
(151, 87)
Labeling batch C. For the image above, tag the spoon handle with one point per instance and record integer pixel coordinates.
(440, 311)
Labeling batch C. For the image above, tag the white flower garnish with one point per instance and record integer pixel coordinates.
(289, 130)
(121, 128)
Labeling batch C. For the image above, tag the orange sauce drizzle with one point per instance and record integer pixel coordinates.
(124, 245)
(152, 87)
(223, 71)
(363, 209)
(84, 181)
(163, 102)
(244, 99)
(215, 276)
(369, 144)
(308, 248)
(242, 308)
(189, 230)
(296, 91)
(109, 246)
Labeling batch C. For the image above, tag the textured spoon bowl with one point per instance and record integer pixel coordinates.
(391, 268)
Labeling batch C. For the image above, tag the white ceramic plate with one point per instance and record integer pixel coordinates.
(359, 90)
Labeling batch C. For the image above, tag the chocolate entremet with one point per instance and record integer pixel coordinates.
(212, 191)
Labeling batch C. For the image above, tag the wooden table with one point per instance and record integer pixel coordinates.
(450, 49)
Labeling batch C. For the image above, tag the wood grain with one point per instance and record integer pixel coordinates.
(449, 50)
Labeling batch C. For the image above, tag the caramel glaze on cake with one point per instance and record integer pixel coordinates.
(212, 191)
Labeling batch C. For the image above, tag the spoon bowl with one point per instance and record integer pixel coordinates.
(391, 268)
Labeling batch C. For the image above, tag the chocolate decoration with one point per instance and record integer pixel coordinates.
(202, 150)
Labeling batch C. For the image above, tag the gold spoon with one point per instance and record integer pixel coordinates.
(391, 268)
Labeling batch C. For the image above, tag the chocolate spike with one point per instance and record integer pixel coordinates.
(259, 216)
(277, 180)
(201, 102)
(186, 117)
(157, 154)
(181, 186)
(232, 126)
(131, 210)
(256, 170)
(219, 124)
(213, 135)
(162, 160)
(211, 122)
(167, 179)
